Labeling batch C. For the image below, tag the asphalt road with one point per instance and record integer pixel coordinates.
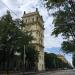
(63, 72)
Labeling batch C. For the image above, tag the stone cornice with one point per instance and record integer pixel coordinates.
(30, 14)
(33, 23)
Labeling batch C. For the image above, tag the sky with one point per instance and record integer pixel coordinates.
(17, 8)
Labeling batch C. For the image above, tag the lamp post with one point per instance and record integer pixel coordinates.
(24, 56)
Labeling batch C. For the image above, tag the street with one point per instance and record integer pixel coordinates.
(64, 72)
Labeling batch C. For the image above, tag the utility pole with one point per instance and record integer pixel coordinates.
(24, 56)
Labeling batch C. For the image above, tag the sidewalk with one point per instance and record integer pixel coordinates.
(41, 72)
(29, 73)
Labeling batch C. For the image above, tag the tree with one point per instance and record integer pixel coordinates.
(64, 22)
(50, 60)
(8, 37)
(31, 58)
(73, 61)
(53, 62)
(12, 39)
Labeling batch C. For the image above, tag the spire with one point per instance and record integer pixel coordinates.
(36, 9)
(24, 12)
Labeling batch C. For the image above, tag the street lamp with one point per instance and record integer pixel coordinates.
(24, 56)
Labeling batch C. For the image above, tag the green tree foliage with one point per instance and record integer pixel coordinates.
(31, 58)
(13, 39)
(53, 62)
(64, 22)
(73, 61)
(50, 60)
(8, 37)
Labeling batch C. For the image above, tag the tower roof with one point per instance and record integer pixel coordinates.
(32, 14)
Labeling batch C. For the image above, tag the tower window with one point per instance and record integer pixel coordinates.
(26, 20)
(37, 18)
(33, 19)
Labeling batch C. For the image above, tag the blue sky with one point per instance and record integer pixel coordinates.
(51, 43)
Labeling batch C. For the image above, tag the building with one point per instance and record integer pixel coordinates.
(62, 58)
(34, 24)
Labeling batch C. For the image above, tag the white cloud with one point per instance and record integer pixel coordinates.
(69, 58)
(51, 41)
(19, 6)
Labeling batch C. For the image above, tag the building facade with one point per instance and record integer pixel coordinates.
(34, 24)
(62, 58)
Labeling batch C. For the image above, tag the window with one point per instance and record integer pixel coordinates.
(33, 19)
(26, 20)
(37, 18)
(39, 57)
